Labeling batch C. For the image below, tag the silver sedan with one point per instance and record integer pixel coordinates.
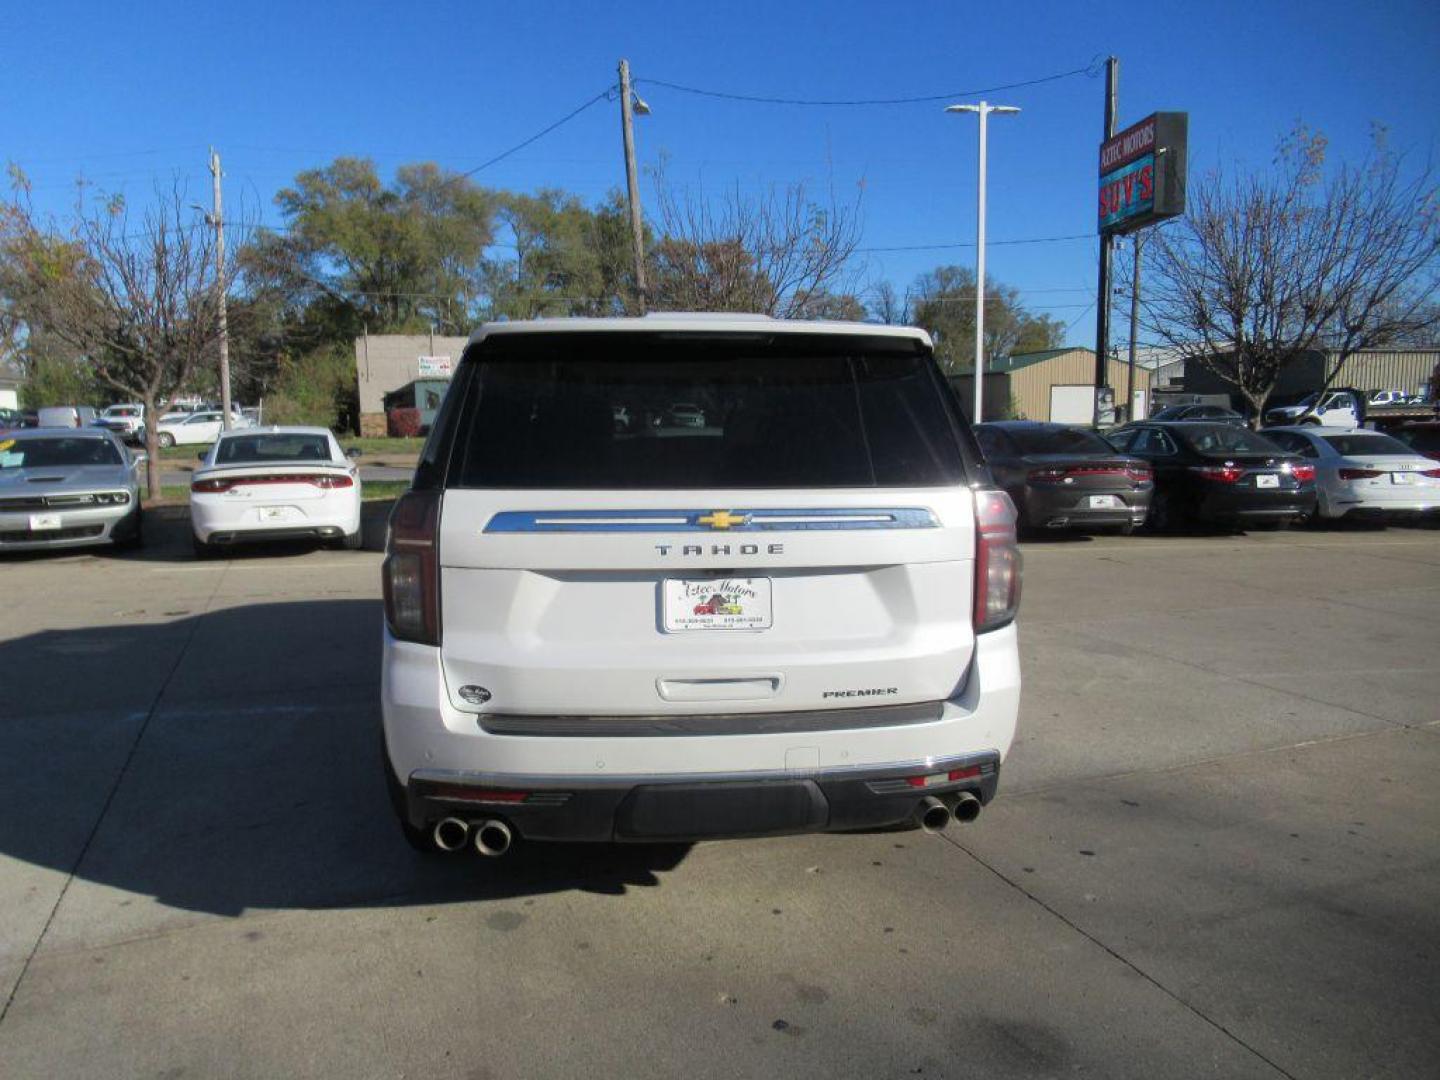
(1362, 473)
(62, 487)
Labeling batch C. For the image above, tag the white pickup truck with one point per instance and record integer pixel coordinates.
(1333, 408)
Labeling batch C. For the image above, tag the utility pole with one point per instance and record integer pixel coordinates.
(637, 235)
(1107, 244)
(1134, 327)
(217, 219)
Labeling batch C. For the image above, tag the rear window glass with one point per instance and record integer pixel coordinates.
(650, 411)
(1381, 445)
(1224, 439)
(238, 449)
(1059, 441)
(56, 453)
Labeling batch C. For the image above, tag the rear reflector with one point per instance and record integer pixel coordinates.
(997, 561)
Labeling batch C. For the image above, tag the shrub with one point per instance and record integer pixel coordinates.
(402, 423)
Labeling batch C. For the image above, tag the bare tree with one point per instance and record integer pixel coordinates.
(137, 298)
(889, 307)
(1267, 269)
(775, 253)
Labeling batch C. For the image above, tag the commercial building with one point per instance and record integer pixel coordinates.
(1059, 385)
(10, 380)
(1410, 370)
(385, 363)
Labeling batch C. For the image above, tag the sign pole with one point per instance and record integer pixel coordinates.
(1102, 298)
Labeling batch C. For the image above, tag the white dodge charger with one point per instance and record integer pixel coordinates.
(275, 483)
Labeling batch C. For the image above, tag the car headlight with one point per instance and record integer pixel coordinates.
(113, 498)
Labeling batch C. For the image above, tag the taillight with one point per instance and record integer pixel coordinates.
(1225, 474)
(1043, 476)
(1353, 474)
(1063, 472)
(410, 574)
(997, 561)
(1435, 473)
(326, 481)
(1304, 473)
(1141, 474)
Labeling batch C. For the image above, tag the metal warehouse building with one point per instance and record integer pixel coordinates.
(1059, 385)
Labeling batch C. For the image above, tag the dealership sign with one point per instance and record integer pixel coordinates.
(434, 367)
(1142, 173)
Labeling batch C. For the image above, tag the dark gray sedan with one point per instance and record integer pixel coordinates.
(62, 487)
(1063, 477)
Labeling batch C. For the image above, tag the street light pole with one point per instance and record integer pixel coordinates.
(218, 220)
(983, 110)
(629, 103)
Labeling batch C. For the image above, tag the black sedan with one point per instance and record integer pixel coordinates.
(1218, 473)
(1063, 477)
(1213, 413)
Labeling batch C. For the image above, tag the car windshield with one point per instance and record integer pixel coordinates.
(1217, 440)
(56, 453)
(1368, 445)
(819, 411)
(1059, 440)
(273, 446)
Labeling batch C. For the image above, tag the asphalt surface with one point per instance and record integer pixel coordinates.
(1214, 852)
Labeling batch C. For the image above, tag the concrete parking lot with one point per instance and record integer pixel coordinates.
(1214, 852)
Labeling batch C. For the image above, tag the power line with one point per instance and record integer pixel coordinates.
(971, 243)
(1091, 69)
(538, 135)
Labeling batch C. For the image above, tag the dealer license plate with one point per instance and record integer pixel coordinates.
(717, 604)
(1104, 502)
(1402, 478)
(276, 513)
(44, 522)
(1267, 480)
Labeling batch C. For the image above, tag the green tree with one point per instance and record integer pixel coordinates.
(943, 302)
(569, 259)
(358, 253)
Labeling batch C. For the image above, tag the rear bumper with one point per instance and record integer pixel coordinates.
(1059, 507)
(216, 521)
(640, 787)
(1256, 506)
(648, 808)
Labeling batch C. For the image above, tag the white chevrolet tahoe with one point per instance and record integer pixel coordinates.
(796, 616)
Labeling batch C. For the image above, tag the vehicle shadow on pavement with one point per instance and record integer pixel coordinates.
(231, 761)
(168, 538)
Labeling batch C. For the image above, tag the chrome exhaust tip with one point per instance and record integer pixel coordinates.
(967, 807)
(932, 814)
(493, 838)
(450, 834)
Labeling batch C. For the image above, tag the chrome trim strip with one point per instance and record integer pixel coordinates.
(593, 781)
(753, 520)
(708, 724)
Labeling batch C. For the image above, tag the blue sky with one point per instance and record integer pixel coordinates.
(130, 94)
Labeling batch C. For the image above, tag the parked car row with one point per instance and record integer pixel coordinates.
(1166, 473)
(62, 488)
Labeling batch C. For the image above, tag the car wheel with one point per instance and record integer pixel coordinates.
(354, 541)
(165, 440)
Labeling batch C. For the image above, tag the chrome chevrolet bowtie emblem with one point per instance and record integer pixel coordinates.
(722, 519)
